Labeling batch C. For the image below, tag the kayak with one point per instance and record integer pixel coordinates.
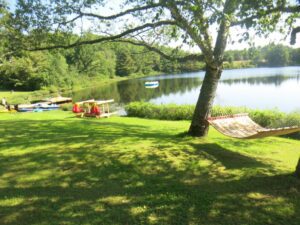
(38, 108)
(58, 100)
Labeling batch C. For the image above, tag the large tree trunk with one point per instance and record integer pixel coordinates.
(298, 169)
(199, 126)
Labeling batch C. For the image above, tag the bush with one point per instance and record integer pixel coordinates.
(266, 118)
(67, 107)
(163, 112)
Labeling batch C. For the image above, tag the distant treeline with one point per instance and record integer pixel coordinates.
(271, 55)
(66, 68)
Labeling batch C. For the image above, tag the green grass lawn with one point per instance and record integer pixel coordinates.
(57, 169)
(16, 96)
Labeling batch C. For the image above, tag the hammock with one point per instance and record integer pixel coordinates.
(243, 127)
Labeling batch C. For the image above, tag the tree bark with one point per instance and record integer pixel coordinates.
(298, 169)
(199, 126)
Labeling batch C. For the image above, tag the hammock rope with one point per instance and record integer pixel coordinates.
(243, 127)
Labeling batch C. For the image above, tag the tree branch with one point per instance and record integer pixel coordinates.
(106, 38)
(223, 32)
(126, 12)
(291, 9)
(191, 57)
(293, 35)
(71, 20)
(184, 24)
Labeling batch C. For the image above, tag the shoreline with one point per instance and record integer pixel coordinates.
(23, 97)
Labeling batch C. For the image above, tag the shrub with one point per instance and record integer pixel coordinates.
(67, 107)
(266, 118)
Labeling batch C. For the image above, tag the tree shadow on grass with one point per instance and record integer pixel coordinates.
(74, 176)
(34, 133)
(228, 158)
(123, 195)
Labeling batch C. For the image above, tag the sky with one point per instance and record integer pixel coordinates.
(275, 37)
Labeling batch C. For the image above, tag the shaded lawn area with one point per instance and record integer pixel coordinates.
(56, 169)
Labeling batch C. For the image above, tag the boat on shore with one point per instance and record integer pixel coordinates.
(39, 107)
(56, 100)
(47, 104)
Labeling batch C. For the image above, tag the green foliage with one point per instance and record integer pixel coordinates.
(67, 107)
(125, 64)
(34, 71)
(295, 56)
(269, 55)
(163, 112)
(278, 55)
(66, 69)
(238, 64)
(92, 60)
(266, 118)
(20, 74)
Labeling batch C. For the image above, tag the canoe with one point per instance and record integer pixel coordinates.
(26, 106)
(151, 84)
(46, 106)
(86, 101)
(35, 109)
(30, 110)
(58, 100)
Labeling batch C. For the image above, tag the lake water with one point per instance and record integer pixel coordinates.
(258, 88)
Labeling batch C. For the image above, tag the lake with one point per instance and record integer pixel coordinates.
(258, 88)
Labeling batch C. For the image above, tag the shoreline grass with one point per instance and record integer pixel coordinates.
(266, 118)
(58, 169)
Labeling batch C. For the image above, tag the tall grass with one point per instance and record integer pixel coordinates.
(266, 118)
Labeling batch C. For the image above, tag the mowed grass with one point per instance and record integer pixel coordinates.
(18, 97)
(57, 169)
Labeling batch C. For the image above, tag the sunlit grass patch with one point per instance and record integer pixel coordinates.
(57, 169)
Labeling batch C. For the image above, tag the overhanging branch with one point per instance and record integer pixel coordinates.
(191, 57)
(291, 9)
(126, 12)
(106, 38)
(185, 25)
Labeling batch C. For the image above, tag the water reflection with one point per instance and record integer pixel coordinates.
(278, 88)
(134, 90)
(236, 73)
(273, 80)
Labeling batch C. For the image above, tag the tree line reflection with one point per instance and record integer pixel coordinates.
(134, 90)
(275, 80)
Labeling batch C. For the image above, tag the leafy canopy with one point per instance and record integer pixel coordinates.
(151, 22)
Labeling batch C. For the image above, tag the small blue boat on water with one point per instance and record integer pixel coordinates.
(151, 84)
